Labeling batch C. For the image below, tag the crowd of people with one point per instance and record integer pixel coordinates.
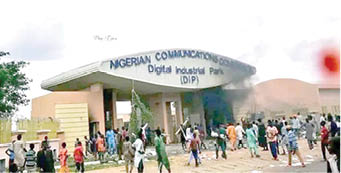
(279, 136)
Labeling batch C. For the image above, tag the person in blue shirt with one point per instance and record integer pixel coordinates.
(110, 135)
(293, 146)
(11, 155)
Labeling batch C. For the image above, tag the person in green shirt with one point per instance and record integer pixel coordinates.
(221, 142)
(162, 158)
(252, 141)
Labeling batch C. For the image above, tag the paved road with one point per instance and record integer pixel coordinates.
(316, 166)
(237, 161)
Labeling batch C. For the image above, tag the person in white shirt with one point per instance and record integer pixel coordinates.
(240, 133)
(296, 126)
(323, 118)
(255, 128)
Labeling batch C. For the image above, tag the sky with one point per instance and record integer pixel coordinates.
(282, 39)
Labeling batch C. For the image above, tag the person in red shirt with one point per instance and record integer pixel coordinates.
(101, 148)
(78, 155)
(324, 139)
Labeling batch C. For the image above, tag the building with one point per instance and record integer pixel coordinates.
(285, 97)
(187, 79)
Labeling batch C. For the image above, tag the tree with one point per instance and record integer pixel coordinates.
(144, 111)
(13, 84)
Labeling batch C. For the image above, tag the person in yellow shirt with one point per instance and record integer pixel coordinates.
(231, 133)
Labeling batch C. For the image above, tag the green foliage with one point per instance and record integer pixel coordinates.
(13, 84)
(146, 114)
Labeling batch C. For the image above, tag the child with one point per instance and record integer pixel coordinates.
(128, 153)
(78, 156)
(12, 166)
(30, 159)
(63, 158)
(252, 140)
(293, 146)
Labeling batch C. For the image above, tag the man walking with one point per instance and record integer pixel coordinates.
(162, 158)
(272, 138)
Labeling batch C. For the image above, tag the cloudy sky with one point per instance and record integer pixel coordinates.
(282, 39)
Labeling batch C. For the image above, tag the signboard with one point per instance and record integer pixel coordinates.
(178, 68)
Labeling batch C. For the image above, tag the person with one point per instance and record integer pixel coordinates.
(164, 135)
(139, 152)
(220, 142)
(110, 137)
(162, 158)
(202, 137)
(272, 139)
(293, 146)
(128, 153)
(332, 127)
(12, 166)
(324, 139)
(182, 138)
(255, 128)
(100, 148)
(194, 146)
(231, 133)
(261, 135)
(240, 133)
(309, 133)
(76, 142)
(333, 164)
(119, 143)
(30, 159)
(45, 161)
(252, 141)
(189, 134)
(19, 152)
(296, 125)
(284, 138)
(46, 141)
(124, 133)
(78, 155)
(149, 136)
(337, 120)
(63, 159)
(87, 145)
(94, 146)
(278, 127)
(191, 156)
(323, 118)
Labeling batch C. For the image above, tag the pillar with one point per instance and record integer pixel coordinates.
(96, 105)
(114, 110)
(165, 119)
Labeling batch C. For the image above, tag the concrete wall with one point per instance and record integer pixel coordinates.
(44, 106)
(280, 97)
(74, 122)
(330, 100)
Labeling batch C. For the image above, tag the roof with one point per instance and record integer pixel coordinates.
(170, 70)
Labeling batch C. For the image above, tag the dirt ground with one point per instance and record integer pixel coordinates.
(237, 161)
